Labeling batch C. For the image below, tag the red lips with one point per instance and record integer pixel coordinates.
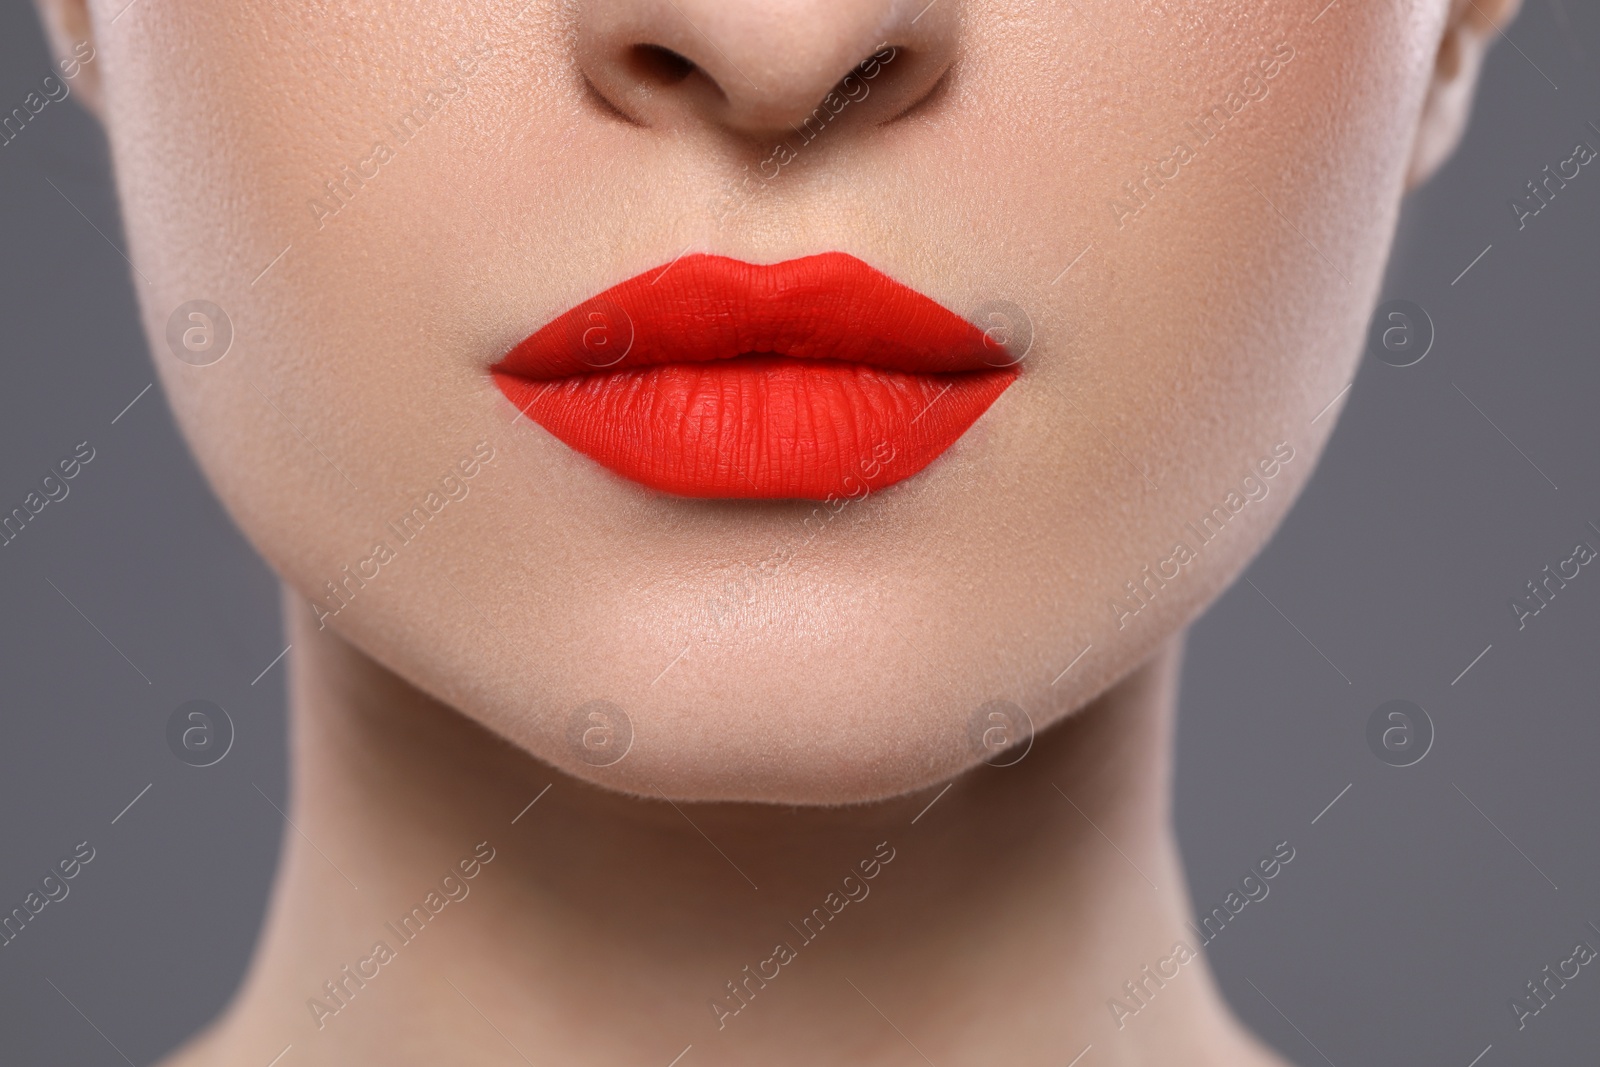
(711, 377)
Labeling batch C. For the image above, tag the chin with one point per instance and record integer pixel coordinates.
(851, 723)
(781, 731)
(846, 679)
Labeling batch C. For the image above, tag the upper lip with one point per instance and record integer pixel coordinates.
(706, 307)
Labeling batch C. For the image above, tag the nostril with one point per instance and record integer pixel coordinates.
(631, 73)
(904, 75)
(879, 61)
(658, 65)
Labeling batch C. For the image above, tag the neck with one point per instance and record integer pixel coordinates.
(997, 925)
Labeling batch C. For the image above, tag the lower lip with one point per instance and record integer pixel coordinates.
(760, 426)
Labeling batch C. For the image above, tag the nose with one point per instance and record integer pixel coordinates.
(763, 67)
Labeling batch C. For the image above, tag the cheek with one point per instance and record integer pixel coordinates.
(312, 178)
(1183, 327)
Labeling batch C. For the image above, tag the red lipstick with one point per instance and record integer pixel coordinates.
(712, 377)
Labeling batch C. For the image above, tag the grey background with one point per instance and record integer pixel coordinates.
(1398, 934)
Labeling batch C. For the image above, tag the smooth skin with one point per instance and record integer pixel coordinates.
(1191, 312)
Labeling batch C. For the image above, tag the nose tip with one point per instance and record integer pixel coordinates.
(762, 67)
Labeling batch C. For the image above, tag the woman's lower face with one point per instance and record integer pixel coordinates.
(753, 403)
